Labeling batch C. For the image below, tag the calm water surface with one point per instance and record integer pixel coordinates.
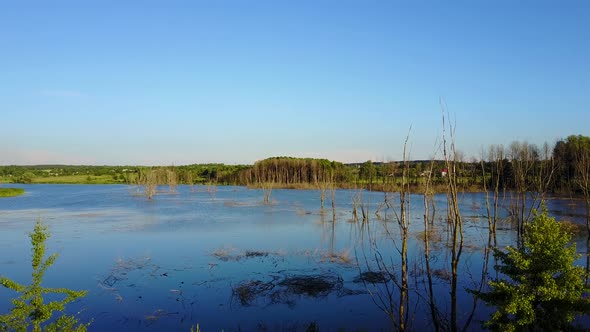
(226, 261)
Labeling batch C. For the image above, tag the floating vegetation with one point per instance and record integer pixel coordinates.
(250, 254)
(313, 286)
(126, 269)
(472, 247)
(442, 274)
(341, 257)
(225, 254)
(121, 270)
(247, 292)
(574, 228)
(302, 212)
(124, 265)
(156, 315)
(233, 203)
(234, 255)
(373, 277)
(284, 289)
(434, 235)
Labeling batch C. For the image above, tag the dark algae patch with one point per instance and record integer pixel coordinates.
(373, 277)
(286, 289)
(312, 286)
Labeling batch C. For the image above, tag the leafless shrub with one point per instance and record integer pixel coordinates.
(266, 191)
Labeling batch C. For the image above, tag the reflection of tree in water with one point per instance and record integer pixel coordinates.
(286, 289)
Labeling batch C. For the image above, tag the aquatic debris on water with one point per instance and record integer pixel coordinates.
(285, 289)
(313, 286)
(156, 315)
(373, 277)
(231, 254)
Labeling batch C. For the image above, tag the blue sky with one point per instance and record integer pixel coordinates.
(178, 82)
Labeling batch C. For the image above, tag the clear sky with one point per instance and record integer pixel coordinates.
(179, 82)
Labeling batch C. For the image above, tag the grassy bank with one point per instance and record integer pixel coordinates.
(417, 188)
(76, 179)
(11, 192)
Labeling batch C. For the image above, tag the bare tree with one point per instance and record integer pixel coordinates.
(404, 225)
(266, 191)
(212, 189)
(388, 184)
(544, 173)
(582, 177)
(321, 182)
(522, 159)
(332, 186)
(188, 178)
(171, 180)
(428, 220)
(393, 298)
(496, 160)
(149, 181)
(454, 215)
(355, 197)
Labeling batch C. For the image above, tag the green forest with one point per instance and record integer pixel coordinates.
(561, 168)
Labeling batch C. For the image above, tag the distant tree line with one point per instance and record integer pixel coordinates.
(521, 166)
(288, 170)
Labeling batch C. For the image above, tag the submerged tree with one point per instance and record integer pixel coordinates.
(30, 307)
(393, 298)
(546, 290)
(171, 179)
(149, 180)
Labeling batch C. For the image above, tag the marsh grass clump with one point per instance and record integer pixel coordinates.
(253, 254)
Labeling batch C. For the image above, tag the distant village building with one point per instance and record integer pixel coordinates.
(444, 172)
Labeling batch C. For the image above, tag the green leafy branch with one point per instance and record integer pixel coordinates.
(30, 307)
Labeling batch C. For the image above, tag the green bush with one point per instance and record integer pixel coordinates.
(545, 290)
(30, 308)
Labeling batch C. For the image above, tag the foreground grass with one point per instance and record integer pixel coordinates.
(11, 192)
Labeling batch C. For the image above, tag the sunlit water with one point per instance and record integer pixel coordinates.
(224, 260)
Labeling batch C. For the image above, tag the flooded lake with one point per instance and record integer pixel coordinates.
(221, 258)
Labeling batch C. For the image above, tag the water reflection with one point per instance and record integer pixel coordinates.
(227, 261)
